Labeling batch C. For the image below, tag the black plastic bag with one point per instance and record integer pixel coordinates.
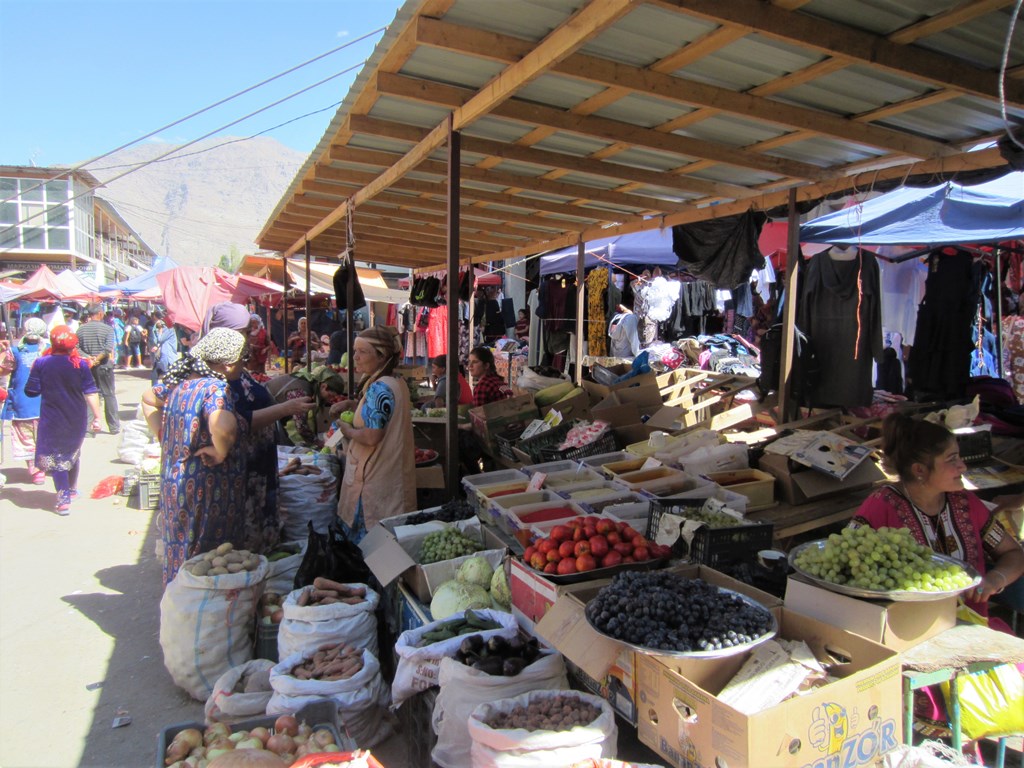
(332, 555)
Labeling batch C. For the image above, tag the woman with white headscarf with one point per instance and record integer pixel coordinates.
(20, 409)
(202, 478)
(380, 462)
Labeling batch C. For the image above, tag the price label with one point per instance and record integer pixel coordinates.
(536, 482)
(651, 463)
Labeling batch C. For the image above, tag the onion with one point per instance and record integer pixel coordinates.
(280, 743)
(250, 743)
(305, 729)
(190, 736)
(323, 737)
(286, 724)
(238, 736)
(331, 748)
(216, 731)
(276, 616)
(221, 743)
(177, 752)
(213, 753)
(260, 733)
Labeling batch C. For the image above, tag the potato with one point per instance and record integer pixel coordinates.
(224, 548)
(208, 556)
(218, 571)
(251, 563)
(233, 557)
(202, 568)
(243, 553)
(219, 562)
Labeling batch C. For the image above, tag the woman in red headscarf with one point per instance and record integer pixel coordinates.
(64, 382)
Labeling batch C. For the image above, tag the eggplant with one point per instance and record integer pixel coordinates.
(515, 645)
(492, 665)
(497, 644)
(512, 666)
(471, 645)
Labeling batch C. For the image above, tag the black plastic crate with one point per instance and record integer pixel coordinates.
(604, 444)
(510, 446)
(714, 547)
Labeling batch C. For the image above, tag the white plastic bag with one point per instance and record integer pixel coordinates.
(418, 666)
(720, 458)
(225, 705)
(520, 748)
(301, 498)
(135, 436)
(281, 573)
(306, 628)
(206, 625)
(361, 700)
(463, 688)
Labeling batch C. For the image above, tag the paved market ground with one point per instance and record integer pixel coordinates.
(79, 622)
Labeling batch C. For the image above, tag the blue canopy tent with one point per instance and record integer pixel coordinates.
(653, 247)
(946, 214)
(146, 280)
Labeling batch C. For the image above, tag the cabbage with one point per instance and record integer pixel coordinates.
(477, 571)
(500, 591)
(454, 597)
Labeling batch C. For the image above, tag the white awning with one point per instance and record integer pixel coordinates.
(321, 280)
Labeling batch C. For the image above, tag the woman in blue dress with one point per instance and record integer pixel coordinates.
(202, 479)
(63, 382)
(20, 409)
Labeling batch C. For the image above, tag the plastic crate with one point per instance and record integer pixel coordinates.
(604, 444)
(714, 547)
(512, 448)
(131, 482)
(147, 491)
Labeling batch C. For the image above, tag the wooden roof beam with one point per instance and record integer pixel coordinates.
(559, 160)
(602, 128)
(865, 48)
(955, 16)
(690, 92)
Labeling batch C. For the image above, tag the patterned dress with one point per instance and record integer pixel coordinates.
(262, 524)
(200, 507)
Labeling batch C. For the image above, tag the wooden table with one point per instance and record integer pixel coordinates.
(790, 520)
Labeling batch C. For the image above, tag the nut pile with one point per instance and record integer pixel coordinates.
(558, 713)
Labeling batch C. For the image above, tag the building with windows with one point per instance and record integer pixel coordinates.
(53, 216)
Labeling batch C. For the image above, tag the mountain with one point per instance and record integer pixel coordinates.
(209, 202)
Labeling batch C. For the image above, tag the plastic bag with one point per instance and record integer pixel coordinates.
(331, 555)
(307, 627)
(206, 625)
(419, 666)
(361, 699)
(463, 689)
(226, 705)
(520, 748)
(991, 702)
(135, 437)
(108, 486)
(281, 572)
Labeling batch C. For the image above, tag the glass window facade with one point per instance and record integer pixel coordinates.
(39, 215)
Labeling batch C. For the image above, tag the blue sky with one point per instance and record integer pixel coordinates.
(82, 77)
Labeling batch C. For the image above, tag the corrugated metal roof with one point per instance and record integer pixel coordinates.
(581, 115)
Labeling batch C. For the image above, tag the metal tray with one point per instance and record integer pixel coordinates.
(735, 650)
(599, 573)
(896, 595)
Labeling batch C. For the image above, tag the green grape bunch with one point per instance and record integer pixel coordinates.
(882, 560)
(446, 545)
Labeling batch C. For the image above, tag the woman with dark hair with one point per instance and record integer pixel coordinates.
(931, 502)
(380, 468)
(488, 386)
(20, 409)
(64, 382)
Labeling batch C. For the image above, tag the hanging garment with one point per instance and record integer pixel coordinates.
(839, 310)
(765, 278)
(940, 360)
(902, 291)
(341, 290)
(722, 251)
(1013, 353)
(597, 288)
(536, 348)
(437, 331)
(622, 332)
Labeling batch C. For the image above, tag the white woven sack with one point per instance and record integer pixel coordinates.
(302, 498)
(306, 628)
(227, 706)
(361, 700)
(520, 748)
(206, 625)
(418, 667)
(463, 688)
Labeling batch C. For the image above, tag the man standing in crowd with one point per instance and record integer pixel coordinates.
(97, 343)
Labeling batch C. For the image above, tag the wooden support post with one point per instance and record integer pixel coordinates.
(787, 408)
(309, 329)
(284, 319)
(451, 396)
(581, 309)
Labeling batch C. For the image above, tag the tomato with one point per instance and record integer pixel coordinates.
(590, 520)
(586, 562)
(628, 533)
(566, 566)
(660, 550)
(577, 533)
(528, 554)
(642, 553)
(639, 541)
(605, 526)
(589, 531)
(561, 533)
(538, 561)
(629, 559)
(623, 548)
(567, 549)
(598, 546)
(544, 545)
(582, 547)
(553, 556)
(613, 538)
(551, 568)
(612, 558)
(576, 522)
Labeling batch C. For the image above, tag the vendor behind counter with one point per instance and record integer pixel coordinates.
(325, 385)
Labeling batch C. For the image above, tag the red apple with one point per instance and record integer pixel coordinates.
(623, 548)
(613, 538)
(586, 562)
(589, 530)
(629, 559)
(567, 549)
(610, 559)
(577, 533)
(561, 533)
(553, 556)
(566, 566)
(546, 545)
(641, 553)
(551, 568)
(528, 554)
(582, 547)
(598, 546)
(538, 561)
(604, 525)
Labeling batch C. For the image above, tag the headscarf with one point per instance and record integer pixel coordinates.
(63, 341)
(221, 345)
(227, 314)
(388, 345)
(257, 318)
(35, 330)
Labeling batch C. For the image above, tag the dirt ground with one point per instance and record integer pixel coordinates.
(79, 622)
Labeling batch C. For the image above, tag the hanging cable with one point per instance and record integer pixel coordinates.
(1002, 73)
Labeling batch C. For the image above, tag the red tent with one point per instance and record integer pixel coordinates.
(42, 285)
(189, 292)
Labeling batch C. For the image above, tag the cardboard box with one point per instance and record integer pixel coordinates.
(849, 722)
(798, 484)
(498, 417)
(896, 625)
(573, 408)
(598, 392)
(756, 485)
(605, 666)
